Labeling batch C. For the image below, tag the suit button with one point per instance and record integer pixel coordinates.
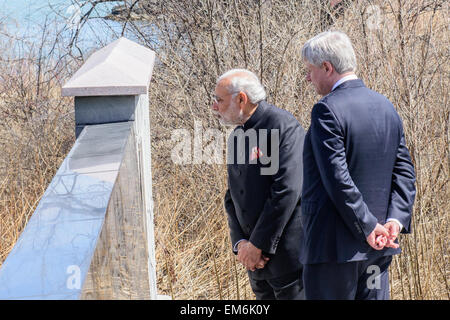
(241, 191)
(238, 172)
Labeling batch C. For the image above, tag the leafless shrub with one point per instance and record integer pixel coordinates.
(36, 127)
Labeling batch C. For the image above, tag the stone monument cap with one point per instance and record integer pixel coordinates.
(121, 68)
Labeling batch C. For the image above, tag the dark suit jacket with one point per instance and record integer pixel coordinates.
(357, 172)
(265, 209)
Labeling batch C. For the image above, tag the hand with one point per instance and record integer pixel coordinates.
(394, 229)
(377, 239)
(381, 240)
(250, 256)
(262, 262)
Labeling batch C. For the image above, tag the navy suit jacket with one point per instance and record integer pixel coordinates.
(265, 208)
(357, 172)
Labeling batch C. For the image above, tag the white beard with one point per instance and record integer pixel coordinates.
(239, 121)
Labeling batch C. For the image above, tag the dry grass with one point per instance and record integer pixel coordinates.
(404, 59)
(36, 129)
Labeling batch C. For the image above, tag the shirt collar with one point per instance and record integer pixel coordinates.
(342, 80)
(256, 116)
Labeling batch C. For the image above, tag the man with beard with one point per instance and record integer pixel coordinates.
(264, 185)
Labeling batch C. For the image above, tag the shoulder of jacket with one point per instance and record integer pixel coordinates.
(334, 96)
(281, 116)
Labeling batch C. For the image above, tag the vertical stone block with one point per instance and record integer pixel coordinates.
(103, 109)
(119, 268)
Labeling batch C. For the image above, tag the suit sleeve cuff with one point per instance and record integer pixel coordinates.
(235, 247)
(398, 222)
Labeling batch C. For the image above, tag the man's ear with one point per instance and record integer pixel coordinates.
(328, 67)
(242, 98)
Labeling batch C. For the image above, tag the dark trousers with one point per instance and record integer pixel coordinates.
(357, 280)
(286, 287)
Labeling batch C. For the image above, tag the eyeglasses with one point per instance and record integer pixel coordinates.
(217, 99)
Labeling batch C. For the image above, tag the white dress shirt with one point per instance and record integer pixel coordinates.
(342, 80)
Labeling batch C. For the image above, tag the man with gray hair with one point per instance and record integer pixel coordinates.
(358, 187)
(264, 185)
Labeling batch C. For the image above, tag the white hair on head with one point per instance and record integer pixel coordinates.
(332, 46)
(245, 81)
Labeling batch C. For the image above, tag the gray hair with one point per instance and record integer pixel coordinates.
(245, 81)
(332, 46)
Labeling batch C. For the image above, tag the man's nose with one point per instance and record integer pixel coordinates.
(214, 106)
